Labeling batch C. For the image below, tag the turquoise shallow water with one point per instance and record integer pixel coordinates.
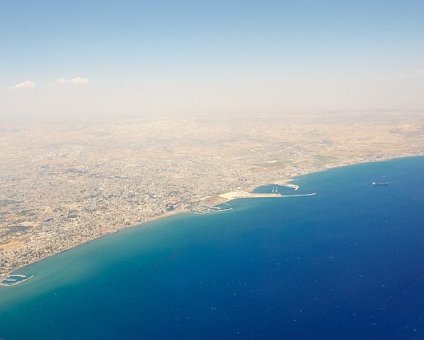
(344, 264)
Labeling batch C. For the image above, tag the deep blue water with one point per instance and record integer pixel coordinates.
(347, 263)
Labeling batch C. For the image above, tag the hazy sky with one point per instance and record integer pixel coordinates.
(66, 58)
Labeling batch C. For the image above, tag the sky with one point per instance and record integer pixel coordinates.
(101, 58)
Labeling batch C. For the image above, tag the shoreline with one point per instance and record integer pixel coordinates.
(181, 211)
(137, 225)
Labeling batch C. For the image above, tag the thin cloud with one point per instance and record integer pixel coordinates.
(419, 73)
(27, 84)
(73, 81)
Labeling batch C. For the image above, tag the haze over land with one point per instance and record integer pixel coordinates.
(113, 114)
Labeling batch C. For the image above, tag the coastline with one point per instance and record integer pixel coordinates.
(136, 225)
(226, 196)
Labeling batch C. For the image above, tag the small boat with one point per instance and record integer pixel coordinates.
(380, 184)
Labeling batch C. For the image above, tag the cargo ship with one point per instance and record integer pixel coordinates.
(380, 184)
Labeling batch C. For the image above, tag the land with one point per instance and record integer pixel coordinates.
(66, 183)
(246, 194)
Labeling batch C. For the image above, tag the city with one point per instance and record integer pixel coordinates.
(66, 184)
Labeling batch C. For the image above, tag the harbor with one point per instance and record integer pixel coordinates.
(15, 279)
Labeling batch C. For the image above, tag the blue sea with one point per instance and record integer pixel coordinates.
(347, 263)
